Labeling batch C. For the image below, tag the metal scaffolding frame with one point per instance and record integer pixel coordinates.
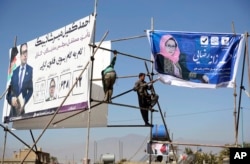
(150, 75)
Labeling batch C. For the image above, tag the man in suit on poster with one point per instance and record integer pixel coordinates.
(21, 85)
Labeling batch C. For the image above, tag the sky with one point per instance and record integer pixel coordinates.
(202, 115)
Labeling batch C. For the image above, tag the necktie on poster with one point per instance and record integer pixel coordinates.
(20, 79)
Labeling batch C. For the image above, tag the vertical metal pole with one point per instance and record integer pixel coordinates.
(89, 111)
(150, 159)
(4, 146)
(87, 143)
(151, 113)
(235, 114)
(119, 150)
(95, 149)
(241, 88)
(122, 149)
(242, 130)
(6, 127)
(235, 102)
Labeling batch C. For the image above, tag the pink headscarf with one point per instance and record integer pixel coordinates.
(173, 57)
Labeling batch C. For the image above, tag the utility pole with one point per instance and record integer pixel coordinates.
(120, 150)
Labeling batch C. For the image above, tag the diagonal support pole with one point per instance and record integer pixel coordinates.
(158, 104)
(8, 130)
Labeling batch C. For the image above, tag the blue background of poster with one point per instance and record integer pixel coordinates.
(211, 54)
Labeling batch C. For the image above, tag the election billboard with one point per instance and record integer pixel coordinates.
(196, 60)
(52, 71)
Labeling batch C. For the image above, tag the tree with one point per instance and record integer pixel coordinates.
(200, 157)
(225, 153)
(246, 144)
(188, 151)
(53, 160)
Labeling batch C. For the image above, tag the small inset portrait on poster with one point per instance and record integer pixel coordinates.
(51, 89)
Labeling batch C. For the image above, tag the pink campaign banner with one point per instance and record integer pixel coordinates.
(196, 60)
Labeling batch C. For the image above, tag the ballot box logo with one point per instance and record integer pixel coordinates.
(239, 155)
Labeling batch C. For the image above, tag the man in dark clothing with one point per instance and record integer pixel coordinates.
(146, 100)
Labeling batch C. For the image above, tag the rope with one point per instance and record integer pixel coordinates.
(119, 77)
